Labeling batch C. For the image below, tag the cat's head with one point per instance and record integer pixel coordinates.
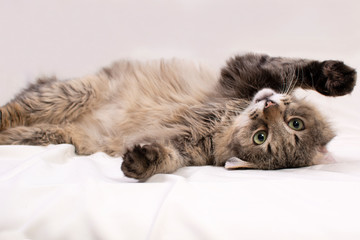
(279, 131)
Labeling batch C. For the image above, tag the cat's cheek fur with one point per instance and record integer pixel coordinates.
(322, 156)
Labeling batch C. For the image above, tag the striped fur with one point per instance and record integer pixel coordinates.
(162, 115)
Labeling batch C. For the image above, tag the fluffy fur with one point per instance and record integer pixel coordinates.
(162, 115)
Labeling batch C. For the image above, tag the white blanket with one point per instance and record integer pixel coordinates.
(51, 193)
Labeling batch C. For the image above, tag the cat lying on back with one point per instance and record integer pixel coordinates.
(163, 115)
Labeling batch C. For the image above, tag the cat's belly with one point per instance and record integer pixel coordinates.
(112, 128)
(137, 105)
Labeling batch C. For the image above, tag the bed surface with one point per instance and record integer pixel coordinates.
(52, 193)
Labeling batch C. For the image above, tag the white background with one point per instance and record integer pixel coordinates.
(71, 38)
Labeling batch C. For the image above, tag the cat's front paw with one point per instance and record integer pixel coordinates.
(337, 79)
(141, 162)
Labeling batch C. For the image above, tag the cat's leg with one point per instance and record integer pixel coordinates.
(53, 101)
(40, 134)
(144, 161)
(244, 75)
(44, 134)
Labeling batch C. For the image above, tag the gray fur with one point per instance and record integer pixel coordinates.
(163, 115)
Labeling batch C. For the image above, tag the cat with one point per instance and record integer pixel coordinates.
(165, 114)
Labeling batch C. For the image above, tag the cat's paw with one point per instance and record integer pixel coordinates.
(337, 79)
(141, 162)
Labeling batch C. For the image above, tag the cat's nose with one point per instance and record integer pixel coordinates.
(269, 103)
(271, 110)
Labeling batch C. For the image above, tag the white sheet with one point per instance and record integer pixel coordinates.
(51, 193)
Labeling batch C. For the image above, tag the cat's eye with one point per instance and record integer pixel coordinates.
(260, 137)
(296, 124)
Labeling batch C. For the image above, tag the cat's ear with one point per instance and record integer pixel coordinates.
(323, 157)
(236, 163)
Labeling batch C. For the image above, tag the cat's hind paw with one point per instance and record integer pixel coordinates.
(141, 162)
(337, 79)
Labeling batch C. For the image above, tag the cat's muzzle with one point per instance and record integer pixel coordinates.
(263, 94)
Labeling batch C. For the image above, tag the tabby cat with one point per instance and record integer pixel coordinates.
(163, 115)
